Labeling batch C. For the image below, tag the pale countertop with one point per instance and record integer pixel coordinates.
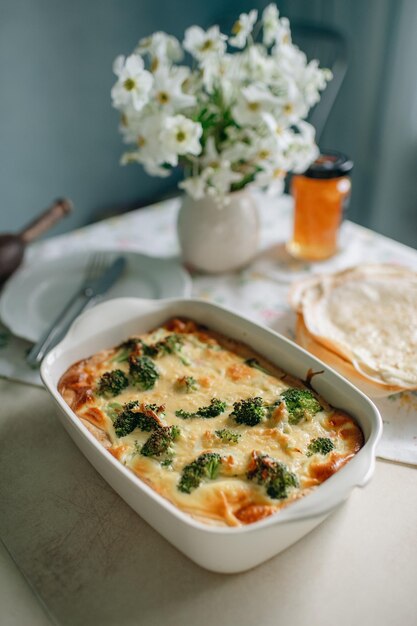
(77, 555)
(359, 566)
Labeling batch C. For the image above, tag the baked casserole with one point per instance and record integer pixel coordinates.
(210, 425)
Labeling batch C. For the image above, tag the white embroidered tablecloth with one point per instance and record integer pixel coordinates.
(259, 291)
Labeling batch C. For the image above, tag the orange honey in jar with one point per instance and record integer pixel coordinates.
(320, 196)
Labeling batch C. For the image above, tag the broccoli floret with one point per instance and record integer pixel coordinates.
(125, 349)
(321, 445)
(187, 384)
(300, 404)
(143, 372)
(149, 350)
(185, 415)
(113, 409)
(171, 344)
(215, 408)
(160, 441)
(250, 411)
(135, 416)
(228, 436)
(256, 365)
(127, 419)
(272, 474)
(130, 344)
(112, 383)
(190, 383)
(207, 465)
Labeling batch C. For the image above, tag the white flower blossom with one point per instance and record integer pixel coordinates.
(238, 151)
(151, 150)
(278, 132)
(302, 150)
(162, 49)
(153, 169)
(216, 177)
(221, 72)
(168, 91)
(133, 84)
(242, 28)
(221, 179)
(211, 156)
(181, 135)
(313, 81)
(257, 65)
(203, 44)
(129, 123)
(282, 35)
(271, 180)
(270, 20)
(135, 156)
(251, 104)
(196, 186)
(266, 150)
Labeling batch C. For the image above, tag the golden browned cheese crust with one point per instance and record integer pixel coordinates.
(198, 366)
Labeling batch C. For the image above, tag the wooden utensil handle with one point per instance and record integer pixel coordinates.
(46, 220)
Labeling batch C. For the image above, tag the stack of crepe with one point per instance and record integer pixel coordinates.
(363, 322)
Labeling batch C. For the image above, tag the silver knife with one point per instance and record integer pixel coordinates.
(90, 289)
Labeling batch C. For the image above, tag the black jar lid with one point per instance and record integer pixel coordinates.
(329, 164)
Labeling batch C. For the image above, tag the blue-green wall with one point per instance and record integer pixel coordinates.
(58, 132)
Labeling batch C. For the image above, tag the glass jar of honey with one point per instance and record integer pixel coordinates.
(320, 197)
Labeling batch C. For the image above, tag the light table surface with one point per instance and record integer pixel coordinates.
(358, 566)
(91, 560)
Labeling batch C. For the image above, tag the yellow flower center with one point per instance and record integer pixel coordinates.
(236, 28)
(141, 141)
(264, 154)
(253, 106)
(288, 108)
(129, 158)
(154, 64)
(129, 84)
(181, 136)
(163, 97)
(207, 45)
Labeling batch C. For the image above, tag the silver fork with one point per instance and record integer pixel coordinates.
(95, 268)
(96, 265)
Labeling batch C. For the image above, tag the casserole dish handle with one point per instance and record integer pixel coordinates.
(326, 499)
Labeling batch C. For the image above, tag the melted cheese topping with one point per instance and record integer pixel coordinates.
(218, 366)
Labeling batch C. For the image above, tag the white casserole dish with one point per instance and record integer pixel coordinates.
(219, 549)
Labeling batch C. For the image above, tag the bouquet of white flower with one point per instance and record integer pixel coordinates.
(229, 119)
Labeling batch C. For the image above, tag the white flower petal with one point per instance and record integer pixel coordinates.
(243, 28)
(134, 64)
(118, 64)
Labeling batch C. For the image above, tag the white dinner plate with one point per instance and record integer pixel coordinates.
(35, 295)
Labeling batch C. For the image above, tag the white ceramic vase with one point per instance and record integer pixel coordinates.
(215, 238)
